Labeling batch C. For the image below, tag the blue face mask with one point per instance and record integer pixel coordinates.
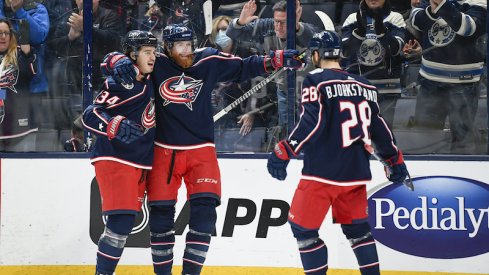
(222, 40)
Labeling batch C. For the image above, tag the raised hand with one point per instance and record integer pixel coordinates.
(247, 13)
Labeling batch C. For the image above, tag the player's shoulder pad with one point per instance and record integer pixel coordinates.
(201, 53)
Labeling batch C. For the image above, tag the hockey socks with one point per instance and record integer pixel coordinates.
(202, 224)
(314, 256)
(196, 247)
(363, 245)
(161, 223)
(162, 251)
(112, 242)
(313, 251)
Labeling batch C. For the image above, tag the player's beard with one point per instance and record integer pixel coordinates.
(183, 61)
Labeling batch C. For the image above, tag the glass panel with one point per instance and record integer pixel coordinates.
(426, 117)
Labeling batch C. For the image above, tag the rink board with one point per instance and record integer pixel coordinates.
(49, 222)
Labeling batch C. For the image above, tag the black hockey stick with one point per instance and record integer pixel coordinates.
(408, 182)
(251, 91)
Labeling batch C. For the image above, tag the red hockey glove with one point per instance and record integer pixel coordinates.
(279, 159)
(398, 171)
(119, 66)
(286, 58)
(124, 130)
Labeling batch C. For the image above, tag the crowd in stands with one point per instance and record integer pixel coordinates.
(431, 109)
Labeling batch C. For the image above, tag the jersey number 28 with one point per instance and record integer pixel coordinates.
(360, 113)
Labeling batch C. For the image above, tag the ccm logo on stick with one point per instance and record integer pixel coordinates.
(444, 218)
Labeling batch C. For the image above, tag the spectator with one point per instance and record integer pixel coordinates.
(373, 38)
(190, 13)
(272, 33)
(68, 43)
(450, 73)
(227, 92)
(17, 127)
(31, 17)
(154, 20)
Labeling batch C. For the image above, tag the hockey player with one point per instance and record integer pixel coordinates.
(450, 73)
(339, 116)
(123, 118)
(184, 79)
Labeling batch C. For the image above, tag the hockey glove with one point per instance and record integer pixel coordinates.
(124, 130)
(279, 159)
(286, 58)
(398, 171)
(119, 66)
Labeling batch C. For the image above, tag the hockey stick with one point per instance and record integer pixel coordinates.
(251, 91)
(328, 24)
(259, 109)
(207, 8)
(408, 182)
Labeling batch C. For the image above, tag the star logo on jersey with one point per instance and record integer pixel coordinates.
(100, 126)
(293, 142)
(8, 77)
(181, 90)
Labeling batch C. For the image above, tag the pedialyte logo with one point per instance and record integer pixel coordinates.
(444, 218)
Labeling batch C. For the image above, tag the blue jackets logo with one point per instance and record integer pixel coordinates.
(181, 90)
(444, 218)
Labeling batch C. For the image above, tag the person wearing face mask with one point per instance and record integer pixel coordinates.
(272, 34)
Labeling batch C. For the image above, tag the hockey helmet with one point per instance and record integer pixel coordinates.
(177, 32)
(136, 39)
(327, 43)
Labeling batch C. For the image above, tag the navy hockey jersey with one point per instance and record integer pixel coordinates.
(378, 58)
(136, 103)
(339, 114)
(183, 96)
(17, 120)
(453, 32)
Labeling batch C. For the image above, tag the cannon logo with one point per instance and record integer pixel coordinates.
(444, 218)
